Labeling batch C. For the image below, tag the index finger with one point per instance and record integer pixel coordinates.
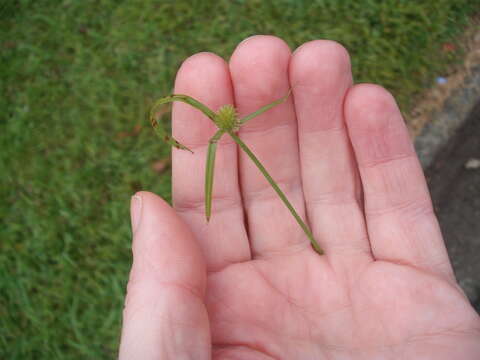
(224, 241)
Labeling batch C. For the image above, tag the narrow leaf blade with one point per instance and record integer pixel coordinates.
(265, 108)
(212, 148)
(161, 132)
(280, 193)
(209, 172)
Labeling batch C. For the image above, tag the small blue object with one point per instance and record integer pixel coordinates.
(441, 80)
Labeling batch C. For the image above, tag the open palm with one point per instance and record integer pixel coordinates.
(248, 285)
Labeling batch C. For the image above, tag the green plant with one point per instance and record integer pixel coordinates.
(227, 121)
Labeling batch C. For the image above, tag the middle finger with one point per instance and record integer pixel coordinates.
(259, 70)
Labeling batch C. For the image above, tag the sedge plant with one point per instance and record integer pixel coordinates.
(227, 121)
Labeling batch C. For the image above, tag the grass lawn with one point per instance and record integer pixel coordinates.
(77, 78)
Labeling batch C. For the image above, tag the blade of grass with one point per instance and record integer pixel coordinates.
(280, 193)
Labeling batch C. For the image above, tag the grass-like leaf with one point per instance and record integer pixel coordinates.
(210, 166)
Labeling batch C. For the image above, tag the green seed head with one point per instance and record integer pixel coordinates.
(227, 119)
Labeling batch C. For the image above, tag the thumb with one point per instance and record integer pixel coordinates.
(164, 315)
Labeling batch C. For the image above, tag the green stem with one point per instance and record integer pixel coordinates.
(287, 203)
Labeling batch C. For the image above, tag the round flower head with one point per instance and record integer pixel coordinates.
(227, 119)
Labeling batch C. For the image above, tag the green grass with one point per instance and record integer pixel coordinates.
(77, 76)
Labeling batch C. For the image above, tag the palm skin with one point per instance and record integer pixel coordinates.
(248, 285)
(298, 307)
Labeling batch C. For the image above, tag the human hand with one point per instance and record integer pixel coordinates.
(248, 285)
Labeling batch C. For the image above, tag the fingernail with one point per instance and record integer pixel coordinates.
(135, 212)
